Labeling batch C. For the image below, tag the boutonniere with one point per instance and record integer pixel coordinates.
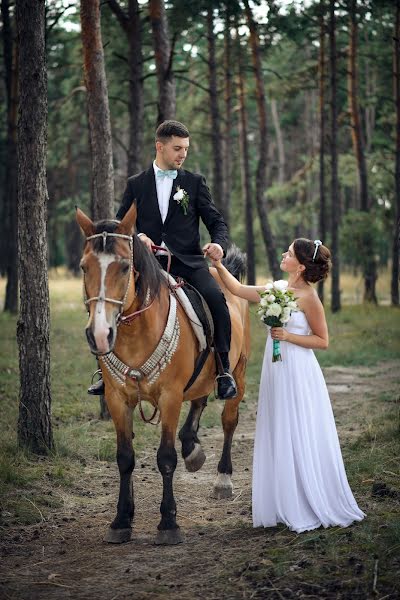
(182, 197)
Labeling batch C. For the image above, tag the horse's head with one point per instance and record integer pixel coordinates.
(108, 269)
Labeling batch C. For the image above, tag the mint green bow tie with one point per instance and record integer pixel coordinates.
(172, 173)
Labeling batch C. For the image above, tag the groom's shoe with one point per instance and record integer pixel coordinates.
(226, 387)
(225, 384)
(97, 389)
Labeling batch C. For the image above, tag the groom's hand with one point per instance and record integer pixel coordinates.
(148, 242)
(213, 251)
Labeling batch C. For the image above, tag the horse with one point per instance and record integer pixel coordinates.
(135, 319)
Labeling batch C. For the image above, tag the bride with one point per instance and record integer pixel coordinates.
(298, 473)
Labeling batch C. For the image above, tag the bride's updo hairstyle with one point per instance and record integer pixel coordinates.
(316, 258)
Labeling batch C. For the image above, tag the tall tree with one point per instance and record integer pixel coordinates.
(245, 164)
(335, 199)
(227, 129)
(102, 199)
(370, 269)
(164, 52)
(9, 245)
(261, 176)
(396, 89)
(322, 140)
(34, 425)
(130, 22)
(216, 142)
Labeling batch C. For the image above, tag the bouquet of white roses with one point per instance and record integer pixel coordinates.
(276, 305)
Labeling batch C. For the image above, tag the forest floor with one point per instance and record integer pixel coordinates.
(223, 556)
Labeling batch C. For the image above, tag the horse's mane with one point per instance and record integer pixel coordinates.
(150, 277)
(236, 262)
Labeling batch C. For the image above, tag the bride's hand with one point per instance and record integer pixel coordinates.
(279, 333)
(216, 263)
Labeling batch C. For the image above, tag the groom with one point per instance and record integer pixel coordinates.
(170, 201)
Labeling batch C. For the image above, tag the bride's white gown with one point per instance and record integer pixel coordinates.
(298, 473)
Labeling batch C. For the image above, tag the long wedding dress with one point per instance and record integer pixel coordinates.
(298, 473)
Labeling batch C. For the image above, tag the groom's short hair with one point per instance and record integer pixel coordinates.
(169, 128)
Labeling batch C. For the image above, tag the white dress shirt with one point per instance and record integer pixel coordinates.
(164, 188)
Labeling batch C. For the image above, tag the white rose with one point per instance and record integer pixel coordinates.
(271, 298)
(285, 315)
(280, 285)
(269, 286)
(292, 304)
(274, 310)
(179, 195)
(264, 301)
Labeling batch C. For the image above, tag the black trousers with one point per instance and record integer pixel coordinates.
(204, 282)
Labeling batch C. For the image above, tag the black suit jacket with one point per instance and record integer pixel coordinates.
(179, 232)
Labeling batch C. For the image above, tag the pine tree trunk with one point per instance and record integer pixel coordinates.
(245, 167)
(9, 246)
(322, 118)
(218, 191)
(136, 92)
(396, 86)
(279, 141)
(263, 147)
(335, 199)
(34, 424)
(370, 270)
(163, 56)
(98, 112)
(131, 24)
(227, 135)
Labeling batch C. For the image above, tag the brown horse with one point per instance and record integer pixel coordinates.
(134, 318)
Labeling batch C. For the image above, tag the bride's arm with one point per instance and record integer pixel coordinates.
(248, 292)
(315, 314)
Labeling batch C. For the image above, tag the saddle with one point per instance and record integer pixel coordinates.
(199, 316)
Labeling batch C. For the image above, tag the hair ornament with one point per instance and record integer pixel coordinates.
(317, 244)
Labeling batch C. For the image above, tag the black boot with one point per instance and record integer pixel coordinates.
(225, 384)
(96, 389)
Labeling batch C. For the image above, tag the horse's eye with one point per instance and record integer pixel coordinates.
(125, 269)
(83, 267)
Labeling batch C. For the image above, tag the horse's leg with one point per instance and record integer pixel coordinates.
(168, 530)
(192, 452)
(120, 529)
(230, 415)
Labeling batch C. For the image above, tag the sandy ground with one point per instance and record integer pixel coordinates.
(64, 556)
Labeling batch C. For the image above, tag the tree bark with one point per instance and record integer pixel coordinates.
(245, 166)
(263, 148)
(227, 134)
(163, 55)
(370, 270)
(335, 199)
(394, 288)
(322, 119)
(98, 112)
(34, 424)
(131, 24)
(218, 190)
(279, 141)
(9, 246)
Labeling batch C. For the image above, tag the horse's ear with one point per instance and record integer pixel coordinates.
(84, 222)
(128, 223)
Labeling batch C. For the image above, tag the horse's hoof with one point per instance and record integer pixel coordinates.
(223, 487)
(168, 537)
(196, 459)
(118, 536)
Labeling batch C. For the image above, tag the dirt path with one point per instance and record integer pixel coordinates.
(64, 557)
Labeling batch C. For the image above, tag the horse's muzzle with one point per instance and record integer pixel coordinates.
(102, 348)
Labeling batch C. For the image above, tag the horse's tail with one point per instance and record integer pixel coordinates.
(236, 262)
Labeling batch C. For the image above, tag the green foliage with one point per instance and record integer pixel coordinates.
(360, 238)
